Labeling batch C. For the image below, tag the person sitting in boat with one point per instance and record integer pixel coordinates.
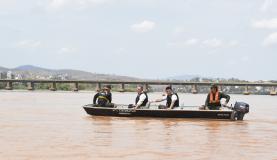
(172, 99)
(103, 98)
(141, 99)
(214, 97)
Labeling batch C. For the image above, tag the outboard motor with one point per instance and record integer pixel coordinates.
(240, 109)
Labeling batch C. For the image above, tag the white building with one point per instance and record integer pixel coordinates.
(10, 75)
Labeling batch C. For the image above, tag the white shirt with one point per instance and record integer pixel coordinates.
(142, 97)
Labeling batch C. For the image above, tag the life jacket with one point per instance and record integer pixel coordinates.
(214, 99)
(145, 100)
(102, 99)
(169, 100)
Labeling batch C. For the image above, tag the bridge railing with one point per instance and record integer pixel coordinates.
(31, 83)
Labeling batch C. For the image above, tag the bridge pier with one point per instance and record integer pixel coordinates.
(145, 86)
(9, 86)
(98, 87)
(273, 91)
(76, 87)
(194, 89)
(53, 87)
(30, 86)
(246, 91)
(122, 89)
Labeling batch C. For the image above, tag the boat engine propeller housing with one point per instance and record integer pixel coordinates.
(240, 109)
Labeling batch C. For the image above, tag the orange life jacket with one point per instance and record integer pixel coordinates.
(214, 99)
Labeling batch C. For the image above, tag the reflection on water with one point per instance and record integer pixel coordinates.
(47, 125)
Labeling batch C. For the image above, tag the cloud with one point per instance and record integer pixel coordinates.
(245, 58)
(120, 50)
(186, 43)
(144, 26)
(212, 43)
(266, 5)
(232, 43)
(219, 43)
(5, 3)
(192, 41)
(266, 24)
(79, 4)
(208, 43)
(66, 50)
(179, 30)
(270, 40)
(29, 44)
(57, 3)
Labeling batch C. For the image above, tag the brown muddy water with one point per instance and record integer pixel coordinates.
(53, 125)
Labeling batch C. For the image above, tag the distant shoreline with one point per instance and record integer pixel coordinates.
(91, 91)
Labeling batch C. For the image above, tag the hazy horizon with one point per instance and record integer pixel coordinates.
(143, 38)
(172, 77)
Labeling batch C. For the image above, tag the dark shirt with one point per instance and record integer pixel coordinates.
(221, 95)
(108, 96)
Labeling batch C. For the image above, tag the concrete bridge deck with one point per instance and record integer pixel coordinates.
(9, 84)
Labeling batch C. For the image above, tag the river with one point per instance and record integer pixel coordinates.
(53, 125)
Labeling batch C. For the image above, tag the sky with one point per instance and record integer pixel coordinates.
(143, 38)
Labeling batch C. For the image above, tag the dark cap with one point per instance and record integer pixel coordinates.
(168, 87)
(214, 86)
(108, 86)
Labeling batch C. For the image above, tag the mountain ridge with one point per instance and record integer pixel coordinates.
(35, 72)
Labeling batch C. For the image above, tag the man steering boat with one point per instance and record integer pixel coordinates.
(213, 99)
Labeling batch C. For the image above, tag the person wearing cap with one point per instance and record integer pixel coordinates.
(214, 97)
(104, 97)
(171, 98)
(108, 88)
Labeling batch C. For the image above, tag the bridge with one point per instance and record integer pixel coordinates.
(146, 84)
